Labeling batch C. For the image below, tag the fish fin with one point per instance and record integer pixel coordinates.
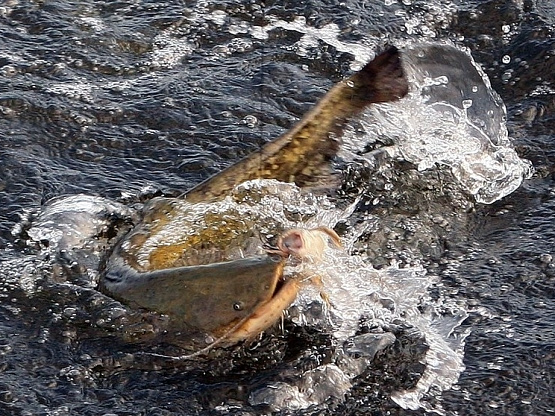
(381, 80)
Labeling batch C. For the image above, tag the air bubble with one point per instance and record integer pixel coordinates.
(507, 75)
(250, 120)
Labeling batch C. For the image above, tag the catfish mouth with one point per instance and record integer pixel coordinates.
(279, 286)
(268, 311)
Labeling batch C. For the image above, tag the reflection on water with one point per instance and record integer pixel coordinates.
(127, 101)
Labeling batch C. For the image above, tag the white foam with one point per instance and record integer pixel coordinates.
(451, 118)
(169, 49)
(353, 290)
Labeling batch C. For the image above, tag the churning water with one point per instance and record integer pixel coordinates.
(441, 299)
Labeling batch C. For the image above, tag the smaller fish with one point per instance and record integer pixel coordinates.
(306, 244)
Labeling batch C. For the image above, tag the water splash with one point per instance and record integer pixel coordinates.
(349, 290)
(70, 222)
(357, 293)
(451, 117)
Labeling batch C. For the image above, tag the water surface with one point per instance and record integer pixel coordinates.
(129, 100)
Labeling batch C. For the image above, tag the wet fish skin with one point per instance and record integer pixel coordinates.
(210, 297)
(303, 154)
(203, 297)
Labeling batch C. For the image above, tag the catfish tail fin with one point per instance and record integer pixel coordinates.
(381, 80)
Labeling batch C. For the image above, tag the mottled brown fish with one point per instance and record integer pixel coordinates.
(305, 151)
(197, 276)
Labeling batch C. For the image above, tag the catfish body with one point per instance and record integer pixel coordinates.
(195, 275)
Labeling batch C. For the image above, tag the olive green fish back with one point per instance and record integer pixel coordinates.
(210, 298)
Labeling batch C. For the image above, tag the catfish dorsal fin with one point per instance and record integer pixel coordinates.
(305, 151)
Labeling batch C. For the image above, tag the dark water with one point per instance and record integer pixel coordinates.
(127, 100)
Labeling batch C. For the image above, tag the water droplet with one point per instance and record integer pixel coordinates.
(70, 312)
(250, 121)
(8, 70)
(546, 258)
(441, 80)
(506, 59)
(507, 75)
(506, 28)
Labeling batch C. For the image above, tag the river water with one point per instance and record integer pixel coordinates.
(444, 299)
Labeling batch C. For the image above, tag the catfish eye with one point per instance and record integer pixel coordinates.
(238, 306)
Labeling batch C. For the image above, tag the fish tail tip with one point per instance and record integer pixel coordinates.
(385, 75)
